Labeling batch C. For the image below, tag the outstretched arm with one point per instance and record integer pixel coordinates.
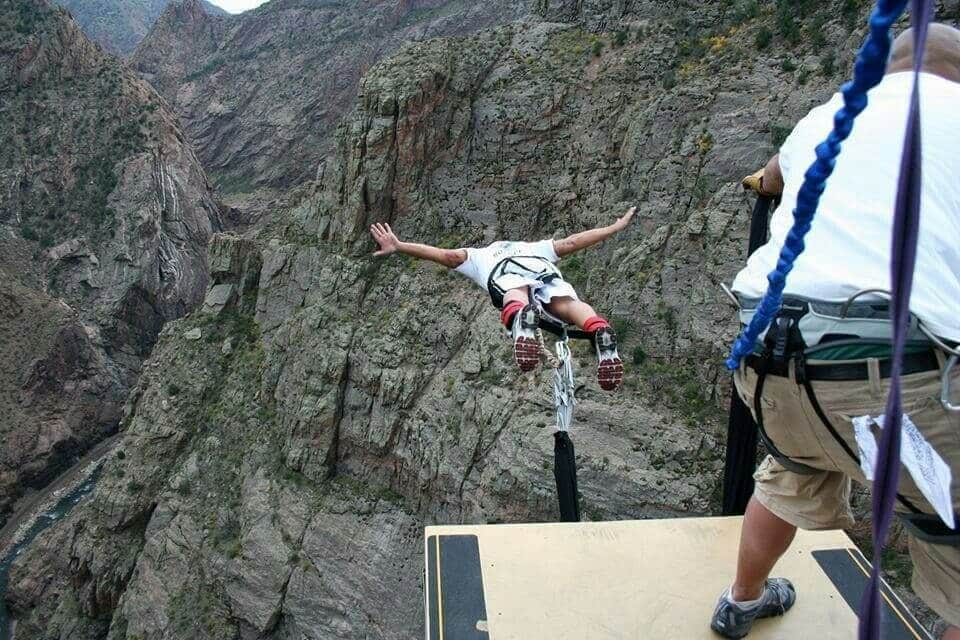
(389, 243)
(585, 239)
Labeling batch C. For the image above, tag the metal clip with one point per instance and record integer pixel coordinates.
(945, 385)
(564, 391)
(731, 295)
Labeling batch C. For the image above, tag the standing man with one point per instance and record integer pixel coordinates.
(803, 397)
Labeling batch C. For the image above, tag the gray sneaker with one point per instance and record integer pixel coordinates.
(734, 621)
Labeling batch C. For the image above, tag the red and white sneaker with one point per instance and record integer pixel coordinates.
(609, 364)
(526, 351)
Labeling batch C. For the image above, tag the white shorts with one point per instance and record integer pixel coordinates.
(542, 292)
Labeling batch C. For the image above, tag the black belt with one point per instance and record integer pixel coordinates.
(841, 371)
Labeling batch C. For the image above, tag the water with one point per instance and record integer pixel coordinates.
(39, 525)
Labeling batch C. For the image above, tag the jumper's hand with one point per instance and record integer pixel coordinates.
(388, 241)
(624, 220)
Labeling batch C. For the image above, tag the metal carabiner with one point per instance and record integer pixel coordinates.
(945, 385)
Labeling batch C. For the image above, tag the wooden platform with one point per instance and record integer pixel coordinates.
(656, 579)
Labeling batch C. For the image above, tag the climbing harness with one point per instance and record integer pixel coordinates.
(531, 268)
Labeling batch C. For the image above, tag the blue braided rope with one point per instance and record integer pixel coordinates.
(868, 71)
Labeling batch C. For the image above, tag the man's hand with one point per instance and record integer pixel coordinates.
(624, 220)
(388, 241)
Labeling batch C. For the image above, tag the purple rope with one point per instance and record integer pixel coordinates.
(903, 256)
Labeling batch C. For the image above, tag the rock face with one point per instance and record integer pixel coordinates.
(105, 215)
(287, 442)
(119, 25)
(261, 93)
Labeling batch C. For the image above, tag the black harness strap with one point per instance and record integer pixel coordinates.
(784, 460)
(497, 293)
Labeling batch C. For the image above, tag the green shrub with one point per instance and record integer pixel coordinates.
(746, 10)
(639, 355)
(850, 10)
(828, 64)
(778, 134)
(120, 454)
(787, 65)
(620, 38)
(597, 48)
(173, 389)
(763, 38)
(669, 79)
(27, 233)
(818, 36)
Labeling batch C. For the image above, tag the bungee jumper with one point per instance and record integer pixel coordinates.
(525, 284)
(832, 355)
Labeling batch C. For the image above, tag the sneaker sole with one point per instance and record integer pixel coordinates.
(610, 374)
(526, 352)
(726, 634)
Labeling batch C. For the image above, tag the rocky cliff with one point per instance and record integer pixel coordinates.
(287, 442)
(119, 25)
(105, 215)
(261, 93)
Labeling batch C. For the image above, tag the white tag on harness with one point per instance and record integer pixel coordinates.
(929, 472)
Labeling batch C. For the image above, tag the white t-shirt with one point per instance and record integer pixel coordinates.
(848, 246)
(481, 261)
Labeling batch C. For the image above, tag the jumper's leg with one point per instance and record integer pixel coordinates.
(520, 318)
(513, 301)
(571, 311)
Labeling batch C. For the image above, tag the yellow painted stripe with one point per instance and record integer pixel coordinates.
(439, 594)
(896, 610)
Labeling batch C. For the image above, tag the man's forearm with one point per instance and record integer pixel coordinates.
(452, 258)
(582, 240)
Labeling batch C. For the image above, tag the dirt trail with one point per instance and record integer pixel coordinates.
(30, 504)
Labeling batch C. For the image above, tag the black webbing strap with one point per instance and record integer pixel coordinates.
(565, 472)
(741, 454)
(785, 461)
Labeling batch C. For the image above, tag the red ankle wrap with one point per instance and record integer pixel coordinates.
(595, 324)
(509, 310)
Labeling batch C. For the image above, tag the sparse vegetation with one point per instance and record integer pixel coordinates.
(828, 62)
(763, 38)
(778, 134)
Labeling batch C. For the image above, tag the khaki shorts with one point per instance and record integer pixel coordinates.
(822, 501)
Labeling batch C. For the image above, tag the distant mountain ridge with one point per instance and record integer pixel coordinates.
(120, 25)
(261, 94)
